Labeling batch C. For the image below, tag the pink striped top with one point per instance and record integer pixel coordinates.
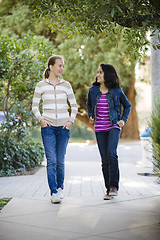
(103, 122)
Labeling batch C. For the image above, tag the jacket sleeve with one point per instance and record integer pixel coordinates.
(89, 104)
(126, 106)
(35, 103)
(73, 103)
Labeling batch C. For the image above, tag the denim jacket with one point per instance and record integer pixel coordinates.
(115, 98)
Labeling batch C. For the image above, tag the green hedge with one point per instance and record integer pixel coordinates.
(155, 135)
(3, 202)
(19, 156)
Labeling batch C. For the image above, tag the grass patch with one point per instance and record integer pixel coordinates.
(3, 202)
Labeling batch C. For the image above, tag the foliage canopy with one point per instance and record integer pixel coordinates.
(135, 17)
(127, 13)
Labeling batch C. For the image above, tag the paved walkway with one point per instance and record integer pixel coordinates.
(83, 214)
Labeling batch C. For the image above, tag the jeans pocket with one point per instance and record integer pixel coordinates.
(66, 132)
(44, 127)
(47, 126)
(46, 130)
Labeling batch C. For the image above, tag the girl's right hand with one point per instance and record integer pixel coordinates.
(44, 123)
(91, 120)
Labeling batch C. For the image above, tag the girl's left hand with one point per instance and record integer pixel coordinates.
(68, 125)
(120, 123)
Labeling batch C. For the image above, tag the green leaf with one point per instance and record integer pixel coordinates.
(158, 47)
(112, 12)
(154, 46)
(119, 9)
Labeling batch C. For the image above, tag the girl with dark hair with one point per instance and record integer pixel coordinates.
(55, 121)
(104, 102)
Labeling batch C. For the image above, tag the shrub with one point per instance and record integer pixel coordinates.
(19, 156)
(3, 202)
(155, 135)
(22, 62)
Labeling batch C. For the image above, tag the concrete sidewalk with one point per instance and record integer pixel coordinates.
(83, 214)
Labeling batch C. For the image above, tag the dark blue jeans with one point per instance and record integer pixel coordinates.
(107, 144)
(55, 140)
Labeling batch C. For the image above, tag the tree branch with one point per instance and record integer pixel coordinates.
(129, 22)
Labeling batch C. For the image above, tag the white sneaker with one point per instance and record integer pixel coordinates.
(55, 198)
(60, 193)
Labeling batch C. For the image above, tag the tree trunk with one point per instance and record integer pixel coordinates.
(155, 69)
(84, 118)
(130, 130)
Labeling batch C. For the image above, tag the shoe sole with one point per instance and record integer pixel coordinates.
(113, 194)
(108, 198)
(55, 202)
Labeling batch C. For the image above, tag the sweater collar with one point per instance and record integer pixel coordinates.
(61, 80)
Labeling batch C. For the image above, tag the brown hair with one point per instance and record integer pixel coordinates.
(51, 61)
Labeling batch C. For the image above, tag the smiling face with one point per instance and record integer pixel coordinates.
(100, 76)
(57, 68)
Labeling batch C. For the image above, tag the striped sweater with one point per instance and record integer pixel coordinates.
(55, 106)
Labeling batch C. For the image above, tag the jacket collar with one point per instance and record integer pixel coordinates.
(47, 81)
(98, 89)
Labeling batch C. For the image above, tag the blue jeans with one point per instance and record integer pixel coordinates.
(107, 144)
(55, 140)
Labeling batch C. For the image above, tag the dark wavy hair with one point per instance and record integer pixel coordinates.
(111, 79)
